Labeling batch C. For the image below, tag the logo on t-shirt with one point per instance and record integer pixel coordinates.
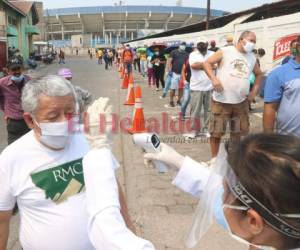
(61, 182)
(240, 69)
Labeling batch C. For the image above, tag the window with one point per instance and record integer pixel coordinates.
(12, 20)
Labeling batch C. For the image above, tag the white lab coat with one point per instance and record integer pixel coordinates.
(107, 229)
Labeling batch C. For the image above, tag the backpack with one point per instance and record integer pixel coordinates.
(127, 56)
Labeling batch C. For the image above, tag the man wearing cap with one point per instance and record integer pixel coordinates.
(175, 64)
(10, 101)
(231, 97)
(201, 87)
(229, 41)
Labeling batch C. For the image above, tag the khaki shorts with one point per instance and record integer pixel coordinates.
(235, 115)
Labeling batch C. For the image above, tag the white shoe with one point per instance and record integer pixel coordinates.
(157, 89)
(191, 135)
(161, 97)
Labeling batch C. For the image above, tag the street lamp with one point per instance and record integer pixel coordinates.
(207, 14)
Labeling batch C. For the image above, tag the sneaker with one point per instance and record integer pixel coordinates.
(161, 97)
(157, 89)
(170, 105)
(209, 163)
(192, 135)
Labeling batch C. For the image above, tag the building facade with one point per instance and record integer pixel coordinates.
(17, 28)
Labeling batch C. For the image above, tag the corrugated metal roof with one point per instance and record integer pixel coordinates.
(278, 8)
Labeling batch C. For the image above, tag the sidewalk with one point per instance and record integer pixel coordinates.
(164, 213)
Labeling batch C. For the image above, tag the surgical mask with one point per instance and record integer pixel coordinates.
(156, 53)
(222, 221)
(249, 46)
(182, 47)
(17, 79)
(54, 134)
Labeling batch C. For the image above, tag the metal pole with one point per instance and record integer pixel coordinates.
(208, 14)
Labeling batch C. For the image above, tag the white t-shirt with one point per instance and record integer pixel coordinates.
(50, 191)
(199, 79)
(149, 64)
(234, 73)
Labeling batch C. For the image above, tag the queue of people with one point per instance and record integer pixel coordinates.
(65, 183)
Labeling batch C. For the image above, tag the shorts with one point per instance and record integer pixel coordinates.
(236, 115)
(175, 81)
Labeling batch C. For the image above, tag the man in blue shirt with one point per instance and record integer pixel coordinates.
(282, 97)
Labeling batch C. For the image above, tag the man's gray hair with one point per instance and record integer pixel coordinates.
(245, 34)
(50, 85)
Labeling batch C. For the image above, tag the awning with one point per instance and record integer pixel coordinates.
(31, 29)
(11, 31)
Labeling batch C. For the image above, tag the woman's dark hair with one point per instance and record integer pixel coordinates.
(268, 166)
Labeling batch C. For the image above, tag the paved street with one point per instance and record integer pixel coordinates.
(162, 213)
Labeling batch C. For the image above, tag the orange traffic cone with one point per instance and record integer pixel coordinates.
(138, 123)
(130, 95)
(130, 80)
(125, 82)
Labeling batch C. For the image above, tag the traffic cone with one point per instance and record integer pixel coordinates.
(138, 123)
(130, 95)
(125, 82)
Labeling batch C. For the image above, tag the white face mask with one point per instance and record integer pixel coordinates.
(182, 47)
(237, 238)
(249, 46)
(54, 134)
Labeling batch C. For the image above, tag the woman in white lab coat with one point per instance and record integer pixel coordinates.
(257, 201)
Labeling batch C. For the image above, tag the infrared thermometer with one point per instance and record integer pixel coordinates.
(150, 143)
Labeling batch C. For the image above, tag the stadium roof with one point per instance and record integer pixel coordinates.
(123, 21)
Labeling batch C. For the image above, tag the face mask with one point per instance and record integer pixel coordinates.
(17, 79)
(248, 47)
(156, 53)
(55, 135)
(222, 221)
(182, 47)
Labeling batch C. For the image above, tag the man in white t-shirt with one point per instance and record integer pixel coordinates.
(231, 97)
(42, 172)
(201, 87)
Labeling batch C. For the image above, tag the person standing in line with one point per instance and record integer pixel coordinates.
(159, 63)
(175, 63)
(150, 71)
(213, 46)
(229, 40)
(201, 87)
(61, 57)
(11, 88)
(106, 59)
(231, 96)
(281, 97)
(127, 58)
(143, 63)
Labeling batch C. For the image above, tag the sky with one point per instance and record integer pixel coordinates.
(227, 5)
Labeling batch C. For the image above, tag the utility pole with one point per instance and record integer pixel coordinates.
(208, 14)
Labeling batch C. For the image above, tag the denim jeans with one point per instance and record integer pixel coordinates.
(186, 99)
(143, 64)
(167, 85)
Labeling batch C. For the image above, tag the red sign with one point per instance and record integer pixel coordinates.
(282, 46)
